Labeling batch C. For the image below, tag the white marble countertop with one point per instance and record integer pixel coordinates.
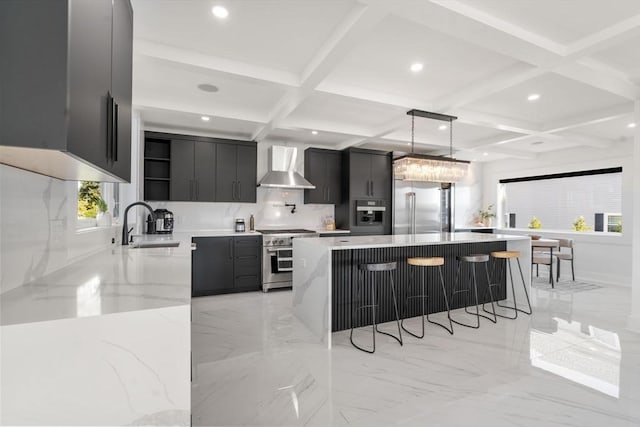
(363, 242)
(118, 279)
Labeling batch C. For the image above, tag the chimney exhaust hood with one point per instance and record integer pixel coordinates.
(282, 172)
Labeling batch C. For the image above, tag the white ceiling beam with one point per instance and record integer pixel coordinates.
(373, 96)
(504, 79)
(606, 38)
(240, 115)
(589, 141)
(493, 34)
(353, 29)
(518, 154)
(588, 118)
(213, 63)
(465, 9)
(598, 79)
(494, 121)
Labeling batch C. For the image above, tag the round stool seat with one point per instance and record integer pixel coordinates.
(505, 254)
(426, 261)
(381, 266)
(474, 258)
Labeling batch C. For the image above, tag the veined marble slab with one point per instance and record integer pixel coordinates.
(312, 268)
(127, 368)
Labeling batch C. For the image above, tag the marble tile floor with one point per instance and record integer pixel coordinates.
(572, 363)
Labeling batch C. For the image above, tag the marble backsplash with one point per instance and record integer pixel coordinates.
(38, 232)
(269, 211)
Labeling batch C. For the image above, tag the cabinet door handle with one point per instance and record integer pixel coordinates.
(190, 189)
(239, 190)
(197, 190)
(230, 248)
(328, 194)
(109, 125)
(115, 132)
(233, 190)
(371, 183)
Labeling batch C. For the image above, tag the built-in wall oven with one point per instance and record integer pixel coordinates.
(277, 256)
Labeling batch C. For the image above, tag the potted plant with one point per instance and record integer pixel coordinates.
(485, 215)
(103, 217)
(535, 223)
(581, 225)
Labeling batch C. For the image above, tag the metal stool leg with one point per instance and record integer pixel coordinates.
(506, 265)
(353, 310)
(406, 303)
(395, 307)
(466, 298)
(446, 301)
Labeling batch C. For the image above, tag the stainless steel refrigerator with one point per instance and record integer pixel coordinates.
(422, 207)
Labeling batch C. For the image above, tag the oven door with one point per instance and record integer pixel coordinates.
(277, 264)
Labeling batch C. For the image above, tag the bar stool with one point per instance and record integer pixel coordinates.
(375, 268)
(422, 264)
(502, 258)
(473, 260)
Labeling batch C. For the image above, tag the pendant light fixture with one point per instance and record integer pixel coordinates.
(425, 168)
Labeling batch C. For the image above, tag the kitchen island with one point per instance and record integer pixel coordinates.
(325, 269)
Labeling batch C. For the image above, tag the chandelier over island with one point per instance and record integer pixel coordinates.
(422, 167)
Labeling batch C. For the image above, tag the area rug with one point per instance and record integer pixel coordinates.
(564, 285)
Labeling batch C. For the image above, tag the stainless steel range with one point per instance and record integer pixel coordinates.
(277, 257)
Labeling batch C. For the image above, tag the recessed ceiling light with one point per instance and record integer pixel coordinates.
(206, 87)
(314, 132)
(205, 118)
(485, 154)
(442, 127)
(533, 97)
(220, 12)
(631, 125)
(416, 67)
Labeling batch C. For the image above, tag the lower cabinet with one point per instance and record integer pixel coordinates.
(221, 265)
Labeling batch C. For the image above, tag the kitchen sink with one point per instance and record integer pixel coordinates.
(155, 244)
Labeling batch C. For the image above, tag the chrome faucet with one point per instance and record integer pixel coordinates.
(125, 230)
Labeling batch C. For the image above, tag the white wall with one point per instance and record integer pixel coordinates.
(618, 249)
(468, 196)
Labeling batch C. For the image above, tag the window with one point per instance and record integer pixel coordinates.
(90, 199)
(558, 200)
(95, 198)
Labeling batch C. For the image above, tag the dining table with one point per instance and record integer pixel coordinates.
(544, 247)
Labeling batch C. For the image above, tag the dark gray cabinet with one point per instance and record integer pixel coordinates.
(236, 174)
(370, 175)
(66, 85)
(192, 175)
(222, 265)
(323, 168)
(194, 168)
(367, 175)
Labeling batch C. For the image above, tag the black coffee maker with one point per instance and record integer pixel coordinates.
(163, 223)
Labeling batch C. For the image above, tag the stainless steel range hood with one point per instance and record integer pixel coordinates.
(282, 172)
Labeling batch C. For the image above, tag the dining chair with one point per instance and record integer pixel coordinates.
(565, 255)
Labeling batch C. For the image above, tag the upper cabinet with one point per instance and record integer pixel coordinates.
(66, 85)
(199, 169)
(370, 175)
(323, 168)
(236, 172)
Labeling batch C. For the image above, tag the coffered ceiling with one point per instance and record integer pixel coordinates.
(336, 73)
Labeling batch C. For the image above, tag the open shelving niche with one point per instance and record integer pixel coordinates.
(157, 169)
